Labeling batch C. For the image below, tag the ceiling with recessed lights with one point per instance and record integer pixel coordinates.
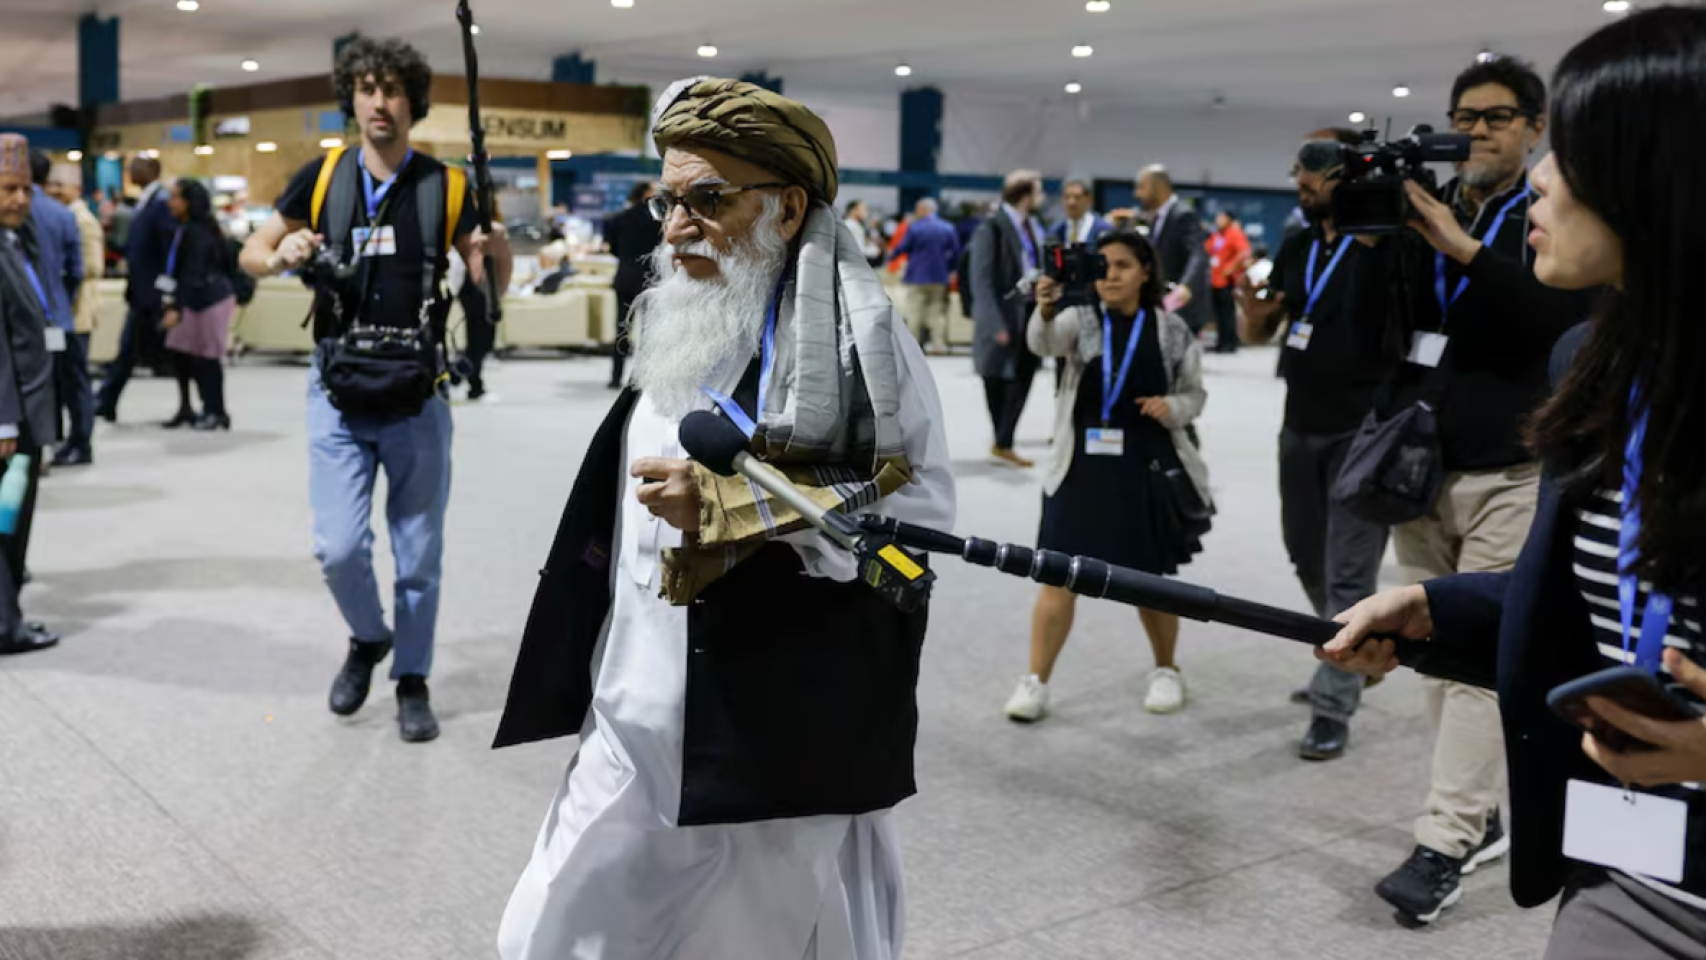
(1332, 56)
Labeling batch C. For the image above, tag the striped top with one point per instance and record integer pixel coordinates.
(1595, 568)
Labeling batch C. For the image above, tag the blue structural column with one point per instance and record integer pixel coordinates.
(920, 140)
(97, 85)
(765, 80)
(574, 69)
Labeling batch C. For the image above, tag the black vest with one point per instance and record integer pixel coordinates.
(801, 692)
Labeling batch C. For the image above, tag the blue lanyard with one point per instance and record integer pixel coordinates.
(1023, 225)
(373, 193)
(1655, 620)
(766, 366)
(1111, 386)
(1463, 283)
(1313, 289)
(172, 255)
(35, 281)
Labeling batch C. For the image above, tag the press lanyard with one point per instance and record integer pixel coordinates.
(1463, 282)
(766, 365)
(1655, 619)
(1310, 287)
(1032, 261)
(375, 193)
(172, 255)
(35, 278)
(1111, 386)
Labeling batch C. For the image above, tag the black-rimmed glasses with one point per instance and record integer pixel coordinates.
(701, 202)
(1464, 119)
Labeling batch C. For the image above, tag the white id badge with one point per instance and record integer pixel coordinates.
(166, 285)
(55, 340)
(375, 241)
(1633, 832)
(1104, 442)
(1426, 349)
(1298, 338)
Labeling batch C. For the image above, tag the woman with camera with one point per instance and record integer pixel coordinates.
(1614, 569)
(1124, 484)
(199, 306)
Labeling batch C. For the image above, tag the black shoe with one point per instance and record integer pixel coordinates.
(211, 421)
(109, 414)
(184, 418)
(349, 688)
(415, 722)
(1325, 739)
(30, 638)
(1424, 886)
(476, 389)
(73, 457)
(1494, 844)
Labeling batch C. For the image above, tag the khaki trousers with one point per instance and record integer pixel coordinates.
(925, 306)
(1482, 519)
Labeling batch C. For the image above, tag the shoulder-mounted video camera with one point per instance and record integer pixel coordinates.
(1370, 198)
(1076, 268)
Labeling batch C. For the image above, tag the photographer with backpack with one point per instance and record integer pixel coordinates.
(372, 230)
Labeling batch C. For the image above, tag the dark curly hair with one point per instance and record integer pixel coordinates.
(365, 57)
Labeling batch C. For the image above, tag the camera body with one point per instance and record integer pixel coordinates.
(327, 269)
(1076, 268)
(1370, 197)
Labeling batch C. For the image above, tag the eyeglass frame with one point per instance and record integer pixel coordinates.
(670, 201)
(1483, 116)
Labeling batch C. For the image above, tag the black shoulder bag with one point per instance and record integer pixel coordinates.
(1395, 469)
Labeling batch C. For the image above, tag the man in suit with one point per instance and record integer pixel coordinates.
(1181, 244)
(1082, 224)
(632, 236)
(64, 236)
(1006, 252)
(146, 250)
(26, 368)
(931, 248)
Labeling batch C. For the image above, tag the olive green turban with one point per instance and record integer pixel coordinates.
(747, 121)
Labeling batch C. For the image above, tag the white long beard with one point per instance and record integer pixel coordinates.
(685, 331)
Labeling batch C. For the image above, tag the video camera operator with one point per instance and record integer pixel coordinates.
(373, 228)
(1330, 292)
(1480, 329)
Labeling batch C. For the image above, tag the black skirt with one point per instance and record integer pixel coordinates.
(1120, 508)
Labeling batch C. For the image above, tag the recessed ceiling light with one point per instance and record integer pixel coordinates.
(74, 155)
(1098, 6)
(1083, 50)
(331, 143)
(266, 146)
(1358, 117)
(903, 71)
(622, 4)
(205, 150)
(707, 50)
(474, 29)
(558, 154)
(250, 66)
(151, 154)
(1075, 87)
(1486, 56)
(189, 6)
(1400, 91)
(1610, 6)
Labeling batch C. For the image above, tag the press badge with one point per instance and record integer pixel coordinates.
(375, 241)
(166, 284)
(1104, 442)
(55, 340)
(1298, 338)
(1624, 830)
(1426, 349)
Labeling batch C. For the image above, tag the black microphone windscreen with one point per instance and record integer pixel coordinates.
(712, 440)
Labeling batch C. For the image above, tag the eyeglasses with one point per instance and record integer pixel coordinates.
(1464, 119)
(701, 202)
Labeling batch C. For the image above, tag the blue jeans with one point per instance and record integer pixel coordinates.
(345, 455)
(75, 391)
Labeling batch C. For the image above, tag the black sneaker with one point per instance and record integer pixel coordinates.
(350, 686)
(415, 722)
(1494, 844)
(1424, 886)
(1325, 739)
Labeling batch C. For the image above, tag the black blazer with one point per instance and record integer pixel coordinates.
(26, 368)
(203, 269)
(1534, 622)
(996, 264)
(632, 235)
(145, 252)
(1183, 251)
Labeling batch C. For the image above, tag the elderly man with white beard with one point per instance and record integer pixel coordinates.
(746, 707)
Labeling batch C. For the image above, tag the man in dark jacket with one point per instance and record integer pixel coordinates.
(146, 251)
(27, 410)
(1006, 258)
(632, 236)
(931, 249)
(1181, 244)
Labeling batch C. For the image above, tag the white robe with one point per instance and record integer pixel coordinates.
(612, 877)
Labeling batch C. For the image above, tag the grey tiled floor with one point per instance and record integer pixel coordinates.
(172, 787)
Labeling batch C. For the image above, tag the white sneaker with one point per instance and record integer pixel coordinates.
(1029, 702)
(1166, 691)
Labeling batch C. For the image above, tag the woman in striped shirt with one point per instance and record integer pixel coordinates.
(1614, 569)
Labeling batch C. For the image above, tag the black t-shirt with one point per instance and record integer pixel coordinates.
(1330, 385)
(391, 284)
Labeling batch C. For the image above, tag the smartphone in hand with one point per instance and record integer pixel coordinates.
(1631, 688)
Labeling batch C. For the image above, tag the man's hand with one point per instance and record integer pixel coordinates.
(1438, 225)
(1048, 296)
(8, 447)
(496, 243)
(1681, 753)
(1154, 408)
(1403, 611)
(1177, 298)
(295, 250)
(1002, 338)
(670, 493)
(171, 319)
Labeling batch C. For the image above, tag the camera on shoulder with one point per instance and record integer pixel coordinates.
(1370, 198)
(1075, 268)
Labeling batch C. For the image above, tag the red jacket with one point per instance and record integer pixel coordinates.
(1227, 249)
